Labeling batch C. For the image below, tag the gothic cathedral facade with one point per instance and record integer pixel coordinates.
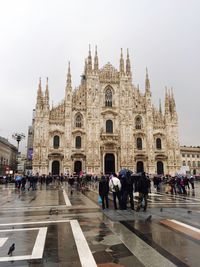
(104, 125)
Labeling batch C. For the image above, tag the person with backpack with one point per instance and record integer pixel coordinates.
(115, 187)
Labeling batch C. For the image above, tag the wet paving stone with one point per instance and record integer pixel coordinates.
(114, 238)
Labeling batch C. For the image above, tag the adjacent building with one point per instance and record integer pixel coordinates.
(190, 156)
(8, 157)
(105, 124)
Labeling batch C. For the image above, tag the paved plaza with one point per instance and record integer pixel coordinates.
(50, 227)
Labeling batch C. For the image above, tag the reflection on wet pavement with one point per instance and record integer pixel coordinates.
(79, 233)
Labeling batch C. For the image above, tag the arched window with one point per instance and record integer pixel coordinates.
(78, 121)
(78, 142)
(158, 143)
(139, 143)
(56, 141)
(108, 97)
(109, 126)
(138, 123)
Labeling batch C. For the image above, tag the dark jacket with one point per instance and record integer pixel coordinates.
(103, 187)
(143, 185)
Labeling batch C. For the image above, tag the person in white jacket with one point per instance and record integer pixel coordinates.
(115, 187)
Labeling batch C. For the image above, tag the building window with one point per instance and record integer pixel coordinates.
(78, 121)
(188, 155)
(194, 164)
(193, 155)
(109, 126)
(78, 142)
(56, 141)
(189, 163)
(197, 156)
(184, 164)
(139, 143)
(138, 123)
(183, 155)
(108, 97)
(198, 163)
(158, 143)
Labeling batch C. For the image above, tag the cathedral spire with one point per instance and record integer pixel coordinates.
(96, 60)
(85, 67)
(89, 60)
(160, 106)
(121, 62)
(128, 64)
(47, 90)
(166, 101)
(40, 88)
(173, 104)
(147, 82)
(69, 81)
(39, 94)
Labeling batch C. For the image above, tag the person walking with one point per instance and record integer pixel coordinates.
(143, 189)
(104, 191)
(115, 187)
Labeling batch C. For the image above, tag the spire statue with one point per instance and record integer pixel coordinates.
(96, 60)
(121, 63)
(89, 63)
(128, 64)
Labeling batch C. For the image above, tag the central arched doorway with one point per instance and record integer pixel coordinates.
(77, 166)
(55, 167)
(160, 167)
(140, 166)
(109, 163)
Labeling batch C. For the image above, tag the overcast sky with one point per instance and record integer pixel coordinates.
(39, 37)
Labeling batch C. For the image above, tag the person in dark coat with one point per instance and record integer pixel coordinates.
(127, 191)
(104, 191)
(143, 189)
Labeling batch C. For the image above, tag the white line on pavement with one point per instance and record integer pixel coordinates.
(2, 241)
(84, 251)
(38, 249)
(186, 226)
(67, 201)
(38, 222)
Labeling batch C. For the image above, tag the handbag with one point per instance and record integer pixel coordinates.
(99, 200)
(115, 187)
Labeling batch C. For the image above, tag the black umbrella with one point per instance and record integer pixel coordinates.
(124, 171)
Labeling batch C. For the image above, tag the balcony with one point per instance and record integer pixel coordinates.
(109, 137)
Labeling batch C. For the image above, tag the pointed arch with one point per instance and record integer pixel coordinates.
(138, 123)
(78, 120)
(108, 96)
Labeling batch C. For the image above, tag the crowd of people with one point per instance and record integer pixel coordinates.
(122, 188)
(174, 184)
(33, 180)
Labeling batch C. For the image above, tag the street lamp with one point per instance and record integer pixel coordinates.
(18, 137)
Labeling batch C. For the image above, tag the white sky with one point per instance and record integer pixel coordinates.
(38, 37)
